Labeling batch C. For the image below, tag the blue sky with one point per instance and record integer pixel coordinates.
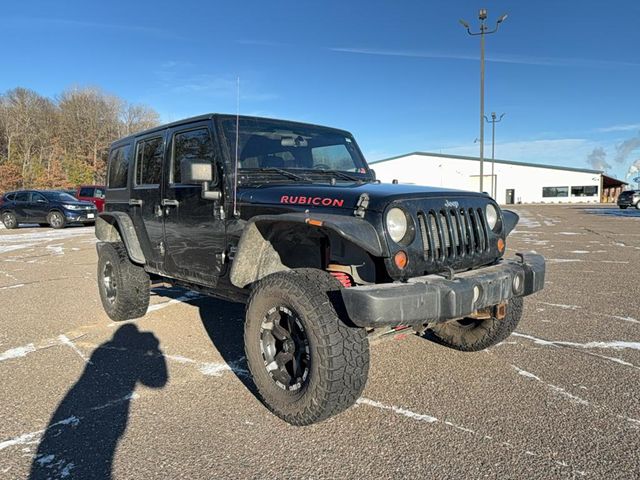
(402, 76)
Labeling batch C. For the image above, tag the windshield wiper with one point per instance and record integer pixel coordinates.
(286, 173)
(344, 175)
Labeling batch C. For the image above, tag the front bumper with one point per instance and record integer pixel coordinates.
(83, 216)
(626, 202)
(434, 299)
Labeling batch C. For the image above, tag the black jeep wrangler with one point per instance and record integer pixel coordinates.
(289, 218)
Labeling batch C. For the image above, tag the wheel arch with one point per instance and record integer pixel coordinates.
(264, 237)
(118, 227)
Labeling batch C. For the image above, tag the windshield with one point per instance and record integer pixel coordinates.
(60, 196)
(267, 144)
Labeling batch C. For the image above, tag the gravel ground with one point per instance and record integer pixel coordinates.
(167, 396)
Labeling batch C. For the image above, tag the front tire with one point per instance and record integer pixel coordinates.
(56, 220)
(9, 220)
(307, 364)
(472, 335)
(123, 285)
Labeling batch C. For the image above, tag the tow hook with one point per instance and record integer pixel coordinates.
(501, 310)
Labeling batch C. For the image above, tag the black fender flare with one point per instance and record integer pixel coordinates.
(256, 258)
(117, 226)
(510, 220)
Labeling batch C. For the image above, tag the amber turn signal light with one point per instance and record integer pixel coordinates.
(400, 260)
(500, 245)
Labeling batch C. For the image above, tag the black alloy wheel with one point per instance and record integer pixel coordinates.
(285, 348)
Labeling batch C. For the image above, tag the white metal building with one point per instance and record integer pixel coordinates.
(514, 182)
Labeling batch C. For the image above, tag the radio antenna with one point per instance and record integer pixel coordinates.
(235, 166)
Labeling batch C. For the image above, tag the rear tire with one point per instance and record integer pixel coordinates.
(638, 206)
(9, 220)
(623, 207)
(56, 220)
(123, 285)
(470, 335)
(305, 361)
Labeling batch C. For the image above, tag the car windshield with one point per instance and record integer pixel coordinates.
(267, 145)
(59, 196)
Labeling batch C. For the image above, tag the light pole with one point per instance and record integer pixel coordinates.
(484, 30)
(493, 122)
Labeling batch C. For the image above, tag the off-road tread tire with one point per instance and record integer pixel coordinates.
(132, 297)
(10, 226)
(339, 353)
(483, 335)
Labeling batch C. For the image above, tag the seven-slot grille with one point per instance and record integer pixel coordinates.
(451, 233)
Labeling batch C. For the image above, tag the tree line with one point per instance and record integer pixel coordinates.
(63, 142)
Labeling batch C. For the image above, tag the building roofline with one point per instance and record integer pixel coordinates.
(506, 162)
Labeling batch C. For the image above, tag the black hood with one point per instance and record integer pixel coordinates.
(343, 195)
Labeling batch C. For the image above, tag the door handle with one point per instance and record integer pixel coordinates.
(169, 202)
(134, 202)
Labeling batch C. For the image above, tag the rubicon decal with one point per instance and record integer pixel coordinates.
(317, 201)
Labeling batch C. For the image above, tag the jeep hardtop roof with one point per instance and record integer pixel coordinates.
(209, 116)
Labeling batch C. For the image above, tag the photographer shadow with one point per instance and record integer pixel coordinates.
(82, 436)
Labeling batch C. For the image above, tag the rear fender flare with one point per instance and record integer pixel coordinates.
(256, 257)
(116, 227)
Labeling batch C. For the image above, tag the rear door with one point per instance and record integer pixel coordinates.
(21, 205)
(194, 227)
(145, 208)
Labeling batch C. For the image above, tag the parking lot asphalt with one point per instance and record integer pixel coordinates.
(167, 396)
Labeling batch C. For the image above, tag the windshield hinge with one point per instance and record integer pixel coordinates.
(361, 206)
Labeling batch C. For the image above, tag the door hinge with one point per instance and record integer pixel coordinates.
(361, 206)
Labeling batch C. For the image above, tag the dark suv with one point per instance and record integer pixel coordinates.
(629, 198)
(53, 208)
(289, 218)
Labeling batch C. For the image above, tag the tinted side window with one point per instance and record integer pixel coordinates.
(10, 196)
(191, 145)
(149, 161)
(119, 167)
(36, 197)
(86, 192)
(22, 197)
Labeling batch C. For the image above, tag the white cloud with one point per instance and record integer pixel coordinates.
(499, 58)
(620, 128)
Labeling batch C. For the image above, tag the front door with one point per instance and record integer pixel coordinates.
(145, 203)
(511, 193)
(38, 207)
(194, 227)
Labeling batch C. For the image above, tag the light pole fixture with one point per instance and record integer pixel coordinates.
(493, 121)
(484, 30)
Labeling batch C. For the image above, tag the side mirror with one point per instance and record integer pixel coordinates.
(373, 172)
(199, 171)
(196, 171)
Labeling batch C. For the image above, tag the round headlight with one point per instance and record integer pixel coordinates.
(397, 224)
(492, 216)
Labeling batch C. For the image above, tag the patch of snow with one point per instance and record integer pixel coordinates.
(399, 410)
(17, 352)
(560, 305)
(17, 285)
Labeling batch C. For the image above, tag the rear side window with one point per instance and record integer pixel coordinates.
(119, 167)
(190, 145)
(149, 161)
(10, 197)
(22, 197)
(86, 192)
